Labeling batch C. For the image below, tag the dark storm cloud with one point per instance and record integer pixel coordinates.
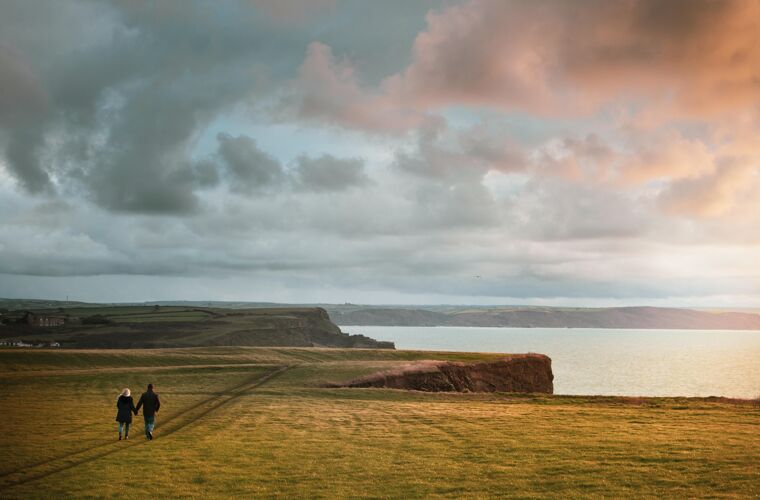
(119, 91)
(22, 100)
(123, 111)
(23, 153)
(21, 94)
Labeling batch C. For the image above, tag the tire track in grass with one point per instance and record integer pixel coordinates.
(128, 369)
(110, 442)
(209, 405)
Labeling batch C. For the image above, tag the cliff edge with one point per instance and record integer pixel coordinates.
(524, 373)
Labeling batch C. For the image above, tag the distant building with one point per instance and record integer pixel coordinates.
(14, 343)
(21, 343)
(33, 319)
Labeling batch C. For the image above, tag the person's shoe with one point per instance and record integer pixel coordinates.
(150, 436)
(126, 437)
(119, 437)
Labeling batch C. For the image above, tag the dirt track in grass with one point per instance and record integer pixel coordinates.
(176, 422)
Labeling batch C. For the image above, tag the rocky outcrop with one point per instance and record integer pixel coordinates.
(518, 373)
(324, 333)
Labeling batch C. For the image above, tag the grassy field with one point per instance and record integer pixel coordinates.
(258, 422)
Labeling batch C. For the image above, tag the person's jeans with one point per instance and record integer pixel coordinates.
(150, 422)
(125, 427)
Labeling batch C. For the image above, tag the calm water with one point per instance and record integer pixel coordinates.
(610, 362)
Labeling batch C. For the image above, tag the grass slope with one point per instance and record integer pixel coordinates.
(256, 422)
(165, 327)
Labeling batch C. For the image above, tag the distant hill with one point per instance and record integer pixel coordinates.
(551, 317)
(103, 326)
(452, 315)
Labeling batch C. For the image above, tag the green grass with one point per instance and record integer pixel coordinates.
(221, 436)
(19, 360)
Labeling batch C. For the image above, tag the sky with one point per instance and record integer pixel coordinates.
(587, 153)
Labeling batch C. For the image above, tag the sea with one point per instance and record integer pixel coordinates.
(620, 362)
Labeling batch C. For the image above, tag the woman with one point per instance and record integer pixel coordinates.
(125, 406)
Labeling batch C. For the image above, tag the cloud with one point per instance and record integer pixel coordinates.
(249, 168)
(694, 58)
(713, 194)
(22, 93)
(555, 56)
(328, 173)
(328, 89)
(293, 11)
(587, 158)
(449, 154)
(125, 103)
(668, 156)
(22, 100)
(559, 209)
(555, 149)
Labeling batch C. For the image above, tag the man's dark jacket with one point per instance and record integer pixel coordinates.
(150, 404)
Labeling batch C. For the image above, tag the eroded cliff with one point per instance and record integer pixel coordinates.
(516, 373)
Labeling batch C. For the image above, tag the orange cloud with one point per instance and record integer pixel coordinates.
(328, 89)
(712, 195)
(666, 156)
(693, 58)
(688, 70)
(558, 57)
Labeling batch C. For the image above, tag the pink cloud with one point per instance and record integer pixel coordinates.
(693, 58)
(329, 90)
(480, 53)
(562, 57)
(666, 155)
(675, 64)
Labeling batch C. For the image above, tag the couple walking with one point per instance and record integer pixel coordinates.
(125, 406)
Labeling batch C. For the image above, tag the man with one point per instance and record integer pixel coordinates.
(150, 404)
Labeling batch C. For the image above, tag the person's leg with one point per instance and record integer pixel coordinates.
(126, 430)
(149, 424)
(121, 426)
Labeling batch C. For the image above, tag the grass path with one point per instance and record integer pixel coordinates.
(175, 422)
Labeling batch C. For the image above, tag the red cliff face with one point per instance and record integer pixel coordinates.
(518, 373)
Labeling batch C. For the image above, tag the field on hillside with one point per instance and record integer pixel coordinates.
(258, 421)
(126, 327)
